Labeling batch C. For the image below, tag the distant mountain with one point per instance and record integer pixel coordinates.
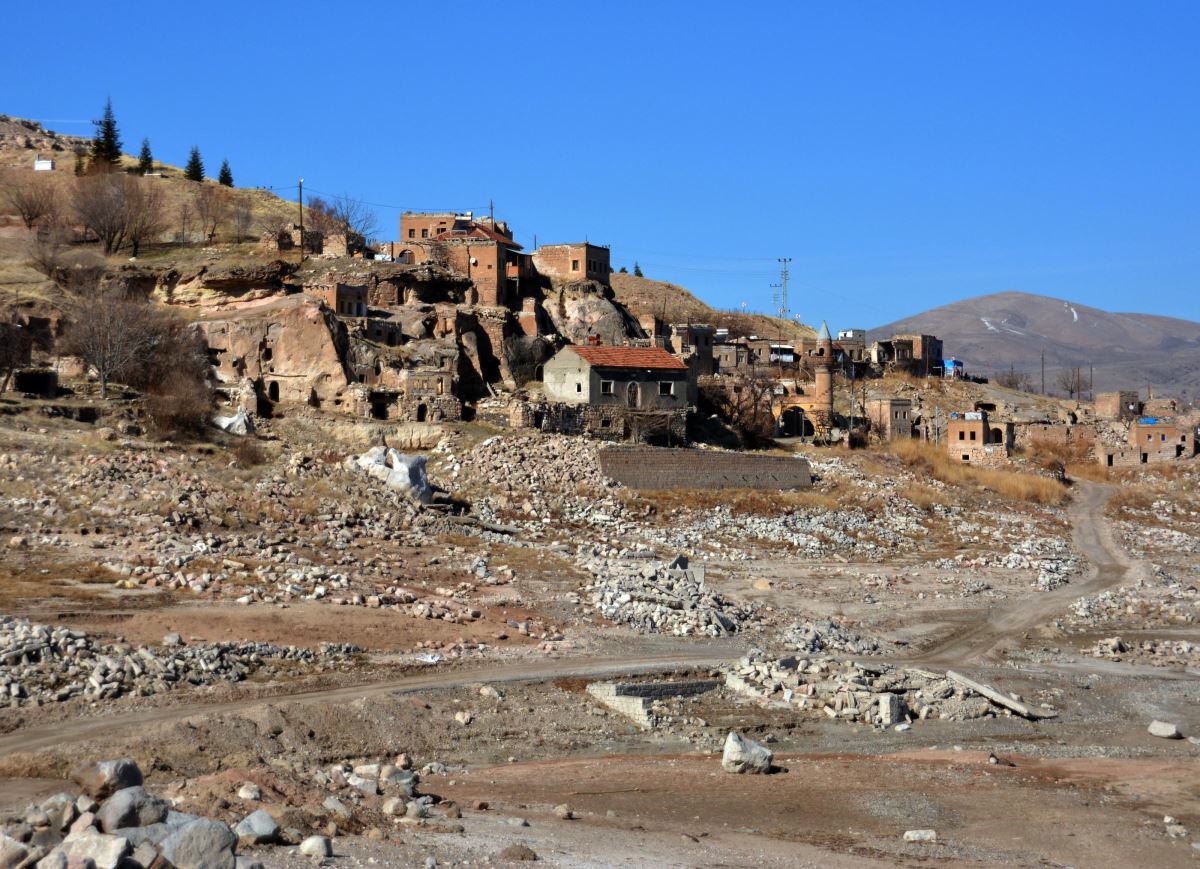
(992, 333)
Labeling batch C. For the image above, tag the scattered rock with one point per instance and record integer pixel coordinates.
(1164, 730)
(743, 755)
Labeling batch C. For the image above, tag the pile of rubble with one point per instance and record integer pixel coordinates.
(1160, 653)
(1161, 599)
(41, 664)
(672, 599)
(865, 693)
(809, 637)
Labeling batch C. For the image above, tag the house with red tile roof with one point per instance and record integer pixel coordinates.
(634, 378)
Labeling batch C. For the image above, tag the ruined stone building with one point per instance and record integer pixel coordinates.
(891, 418)
(1152, 440)
(975, 439)
(918, 354)
(582, 261)
(806, 409)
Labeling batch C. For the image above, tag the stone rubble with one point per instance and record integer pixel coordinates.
(41, 664)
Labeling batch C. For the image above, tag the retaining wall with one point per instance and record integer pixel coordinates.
(664, 468)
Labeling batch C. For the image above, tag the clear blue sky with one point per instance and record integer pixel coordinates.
(905, 155)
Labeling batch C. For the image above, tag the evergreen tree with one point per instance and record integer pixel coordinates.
(106, 144)
(194, 171)
(623, 270)
(145, 159)
(225, 176)
(637, 271)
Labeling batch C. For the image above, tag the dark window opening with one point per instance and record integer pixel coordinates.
(273, 390)
(422, 412)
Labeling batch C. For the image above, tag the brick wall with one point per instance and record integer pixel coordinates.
(664, 468)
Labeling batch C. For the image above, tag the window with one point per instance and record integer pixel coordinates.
(606, 387)
(605, 423)
(666, 387)
(574, 265)
(966, 458)
(972, 435)
(579, 387)
(412, 233)
(962, 435)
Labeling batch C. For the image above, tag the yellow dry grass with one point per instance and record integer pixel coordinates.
(927, 459)
(756, 502)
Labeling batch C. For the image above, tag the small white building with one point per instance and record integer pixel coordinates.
(43, 164)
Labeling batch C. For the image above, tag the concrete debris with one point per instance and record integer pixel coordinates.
(40, 664)
(827, 636)
(1164, 730)
(239, 424)
(399, 472)
(742, 755)
(928, 836)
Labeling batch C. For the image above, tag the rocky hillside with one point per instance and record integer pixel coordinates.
(675, 304)
(1000, 330)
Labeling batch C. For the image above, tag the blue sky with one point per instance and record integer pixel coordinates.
(904, 155)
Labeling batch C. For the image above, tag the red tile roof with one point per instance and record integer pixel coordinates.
(629, 357)
(482, 233)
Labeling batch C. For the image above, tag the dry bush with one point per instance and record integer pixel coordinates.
(929, 459)
(248, 453)
(179, 406)
(1045, 452)
(926, 497)
(1132, 498)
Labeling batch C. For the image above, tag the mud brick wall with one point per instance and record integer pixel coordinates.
(665, 468)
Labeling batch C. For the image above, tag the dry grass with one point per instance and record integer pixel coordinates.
(927, 459)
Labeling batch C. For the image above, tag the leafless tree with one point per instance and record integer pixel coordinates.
(1070, 381)
(146, 213)
(355, 219)
(320, 216)
(744, 400)
(101, 205)
(211, 203)
(33, 197)
(112, 333)
(243, 216)
(1014, 379)
(15, 344)
(185, 221)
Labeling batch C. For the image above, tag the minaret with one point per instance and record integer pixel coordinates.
(823, 375)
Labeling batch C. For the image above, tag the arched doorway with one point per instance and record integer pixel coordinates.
(422, 413)
(631, 395)
(273, 390)
(997, 436)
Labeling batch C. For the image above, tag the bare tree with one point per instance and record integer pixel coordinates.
(320, 217)
(211, 203)
(1014, 379)
(100, 203)
(112, 333)
(185, 221)
(1070, 381)
(146, 214)
(745, 400)
(15, 344)
(355, 219)
(33, 197)
(243, 216)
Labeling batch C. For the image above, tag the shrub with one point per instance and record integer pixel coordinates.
(179, 406)
(929, 459)
(247, 453)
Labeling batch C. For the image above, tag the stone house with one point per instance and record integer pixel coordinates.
(974, 439)
(345, 300)
(1117, 405)
(628, 391)
(582, 261)
(1151, 440)
(891, 418)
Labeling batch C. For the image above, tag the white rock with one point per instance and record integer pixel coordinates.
(920, 836)
(316, 846)
(744, 755)
(1164, 730)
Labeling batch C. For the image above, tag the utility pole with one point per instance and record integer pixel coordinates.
(1043, 372)
(783, 276)
(300, 202)
(491, 215)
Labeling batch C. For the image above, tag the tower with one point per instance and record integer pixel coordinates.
(823, 376)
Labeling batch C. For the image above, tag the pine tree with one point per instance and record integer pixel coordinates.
(623, 270)
(194, 171)
(225, 176)
(106, 144)
(637, 271)
(145, 159)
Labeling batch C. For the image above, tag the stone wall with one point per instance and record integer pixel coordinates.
(663, 468)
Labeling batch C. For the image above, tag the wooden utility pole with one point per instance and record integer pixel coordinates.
(300, 202)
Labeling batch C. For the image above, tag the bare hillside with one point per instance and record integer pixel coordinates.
(675, 304)
(992, 333)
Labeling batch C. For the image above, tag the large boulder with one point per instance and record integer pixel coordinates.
(744, 755)
(130, 807)
(104, 851)
(12, 852)
(101, 779)
(399, 472)
(257, 828)
(200, 844)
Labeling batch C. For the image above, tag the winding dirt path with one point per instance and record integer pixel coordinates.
(1111, 566)
(64, 732)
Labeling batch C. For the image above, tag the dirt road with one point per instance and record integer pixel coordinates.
(65, 732)
(1092, 536)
